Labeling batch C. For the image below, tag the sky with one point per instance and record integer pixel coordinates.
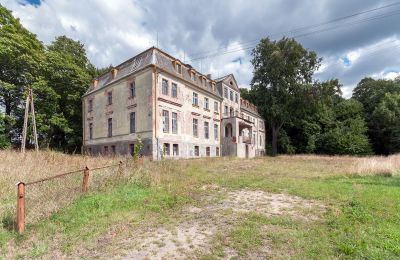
(355, 39)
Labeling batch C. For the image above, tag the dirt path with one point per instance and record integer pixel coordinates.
(193, 233)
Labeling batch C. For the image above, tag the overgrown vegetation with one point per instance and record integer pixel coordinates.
(361, 198)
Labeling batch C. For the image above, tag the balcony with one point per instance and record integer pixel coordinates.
(238, 115)
(245, 139)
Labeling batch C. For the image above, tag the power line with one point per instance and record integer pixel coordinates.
(310, 26)
(376, 17)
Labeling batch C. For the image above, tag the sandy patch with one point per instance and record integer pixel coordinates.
(271, 204)
(195, 227)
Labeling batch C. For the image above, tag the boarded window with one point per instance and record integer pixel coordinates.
(110, 127)
(91, 131)
(132, 119)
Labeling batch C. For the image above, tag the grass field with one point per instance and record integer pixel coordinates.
(284, 207)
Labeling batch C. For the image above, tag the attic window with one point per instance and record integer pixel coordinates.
(231, 83)
(193, 76)
(178, 68)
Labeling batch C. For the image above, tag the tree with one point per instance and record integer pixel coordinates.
(348, 132)
(20, 56)
(4, 141)
(281, 68)
(378, 107)
(68, 72)
(386, 120)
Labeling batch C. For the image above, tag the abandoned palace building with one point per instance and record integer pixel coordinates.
(176, 112)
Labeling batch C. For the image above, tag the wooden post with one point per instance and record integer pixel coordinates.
(20, 207)
(25, 127)
(85, 183)
(34, 122)
(120, 172)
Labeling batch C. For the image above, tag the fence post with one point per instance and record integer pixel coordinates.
(20, 207)
(85, 182)
(120, 172)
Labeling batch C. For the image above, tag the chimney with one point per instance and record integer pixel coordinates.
(114, 73)
(94, 83)
(209, 76)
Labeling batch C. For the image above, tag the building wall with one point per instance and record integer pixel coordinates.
(120, 109)
(186, 112)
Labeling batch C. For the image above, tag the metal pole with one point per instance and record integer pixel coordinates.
(20, 207)
(85, 182)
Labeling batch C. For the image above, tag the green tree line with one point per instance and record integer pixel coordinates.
(59, 75)
(304, 115)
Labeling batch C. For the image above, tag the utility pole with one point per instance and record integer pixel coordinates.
(29, 102)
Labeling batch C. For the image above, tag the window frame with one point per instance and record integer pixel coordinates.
(165, 87)
(216, 130)
(132, 89)
(195, 127)
(174, 90)
(132, 123)
(109, 98)
(175, 152)
(206, 103)
(195, 99)
(109, 127)
(166, 149)
(165, 116)
(196, 150)
(216, 107)
(174, 126)
(90, 131)
(206, 130)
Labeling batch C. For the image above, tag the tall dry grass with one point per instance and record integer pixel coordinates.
(363, 166)
(44, 198)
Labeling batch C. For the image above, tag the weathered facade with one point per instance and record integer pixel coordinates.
(174, 110)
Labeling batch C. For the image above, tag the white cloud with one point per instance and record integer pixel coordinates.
(114, 31)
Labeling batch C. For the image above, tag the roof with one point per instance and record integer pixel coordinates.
(227, 79)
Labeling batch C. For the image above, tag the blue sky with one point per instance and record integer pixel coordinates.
(223, 32)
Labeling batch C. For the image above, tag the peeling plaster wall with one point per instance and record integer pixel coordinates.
(186, 112)
(119, 111)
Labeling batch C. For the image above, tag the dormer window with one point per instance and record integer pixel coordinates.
(178, 68)
(193, 76)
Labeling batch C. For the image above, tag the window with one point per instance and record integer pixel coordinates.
(90, 109)
(105, 149)
(253, 141)
(226, 92)
(231, 95)
(174, 123)
(193, 76)
(208, 151)
(217, 151)
(195, 130)
(215, 131)
(195, 99)
(110, 127)
(206, 130)
(165, 121)
(164, 87)
(206, 103)
(109, 98)
(178, 68)
(132, 89)
(236, 98)
(196, 151)
(175, 150)
(113, 151)
(174, 90)
(132, 149)
(225, 110)
(90, 131)
(216, 106)
(132, 118)
(166, 149)
(260, 140)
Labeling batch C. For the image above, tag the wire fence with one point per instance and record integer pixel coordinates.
(40, 199)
